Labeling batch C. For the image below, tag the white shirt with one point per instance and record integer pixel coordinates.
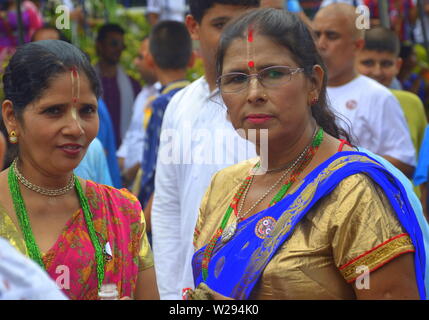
(131, 148)
(22, 279)
(375, 116)
(168, 9)
(196, 121)
(351, 2)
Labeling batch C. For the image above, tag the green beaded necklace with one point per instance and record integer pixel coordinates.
(30, 242)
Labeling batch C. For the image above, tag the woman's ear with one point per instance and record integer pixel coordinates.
(316, 83)
(8, 116)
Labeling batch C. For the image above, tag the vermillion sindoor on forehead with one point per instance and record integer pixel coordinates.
(75, 85)
(250, 48)
(75, 80)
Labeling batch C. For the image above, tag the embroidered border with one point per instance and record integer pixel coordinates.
(378, 256)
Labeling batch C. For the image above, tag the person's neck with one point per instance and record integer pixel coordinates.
(342, 78)
(278, 154)
(210, 75)
(168, 76)
(107, 70)
(41, 178)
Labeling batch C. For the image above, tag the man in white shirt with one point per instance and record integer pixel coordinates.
(376, 118)
(159, 10)
(197, 140)
(130, 152)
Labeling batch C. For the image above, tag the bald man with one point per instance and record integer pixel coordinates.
(375, 116)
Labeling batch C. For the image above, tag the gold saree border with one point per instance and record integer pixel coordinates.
(377, 256)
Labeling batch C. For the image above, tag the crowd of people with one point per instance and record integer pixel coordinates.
(300, 157)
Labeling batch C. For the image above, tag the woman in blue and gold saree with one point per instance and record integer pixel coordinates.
(310, 218)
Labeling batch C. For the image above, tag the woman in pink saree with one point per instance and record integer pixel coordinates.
(82, 233)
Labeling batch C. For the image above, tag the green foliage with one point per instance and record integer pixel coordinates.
(99, 12)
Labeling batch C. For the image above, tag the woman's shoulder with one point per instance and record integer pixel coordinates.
(119, 200)
(111, 191)
(237, 171)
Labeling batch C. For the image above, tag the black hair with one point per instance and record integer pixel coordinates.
(407, 50)
(108, 28)
(170, 45)
(287, 30)
(198, 8)
(382, 40)
(32, 69)
(61, 35)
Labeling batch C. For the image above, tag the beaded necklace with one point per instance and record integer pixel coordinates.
(317, 140)
(30, 242)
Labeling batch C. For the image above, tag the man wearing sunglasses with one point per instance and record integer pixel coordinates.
(119, 89)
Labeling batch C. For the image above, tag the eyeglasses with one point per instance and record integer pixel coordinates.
(269, 77)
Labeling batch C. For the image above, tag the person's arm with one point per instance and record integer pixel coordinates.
(370, 247)
(146, 288)
(394, 281)
(405, 168)
(148, 213)
(128, 175)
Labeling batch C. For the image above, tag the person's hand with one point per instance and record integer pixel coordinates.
(203, 292)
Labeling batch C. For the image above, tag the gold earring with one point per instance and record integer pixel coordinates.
(13, 138)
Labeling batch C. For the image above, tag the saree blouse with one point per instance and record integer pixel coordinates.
(353, 226)
(121, 228)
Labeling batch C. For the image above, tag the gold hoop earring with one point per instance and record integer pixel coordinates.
(13, 138)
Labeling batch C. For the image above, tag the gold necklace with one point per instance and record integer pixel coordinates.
(41, 190)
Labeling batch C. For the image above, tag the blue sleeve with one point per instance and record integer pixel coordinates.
(100, 165)
(94, 165)
(107, 139)
(293, 6)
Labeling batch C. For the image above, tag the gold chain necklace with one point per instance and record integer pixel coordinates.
(41, 190)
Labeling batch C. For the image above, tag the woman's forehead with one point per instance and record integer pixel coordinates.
(262, 50)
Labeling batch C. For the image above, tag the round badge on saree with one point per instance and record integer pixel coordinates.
(264, 227)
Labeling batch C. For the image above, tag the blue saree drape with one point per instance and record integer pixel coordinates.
(236, 266)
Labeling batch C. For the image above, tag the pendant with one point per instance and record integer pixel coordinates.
(229, 232)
